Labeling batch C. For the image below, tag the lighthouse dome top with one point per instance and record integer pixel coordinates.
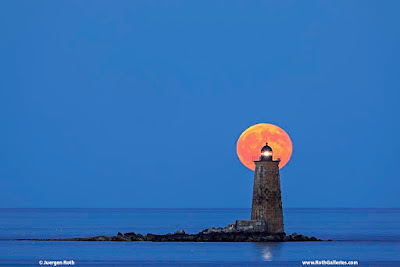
(266, 153)
(266, 148)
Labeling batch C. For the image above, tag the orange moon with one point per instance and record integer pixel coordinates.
(251, 141)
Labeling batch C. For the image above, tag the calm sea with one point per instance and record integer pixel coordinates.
(371, 237)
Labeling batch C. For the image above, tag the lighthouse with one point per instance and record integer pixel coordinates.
(267, 199)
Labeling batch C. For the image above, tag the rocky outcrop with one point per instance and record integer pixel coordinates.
(230, 233)
(200, 237)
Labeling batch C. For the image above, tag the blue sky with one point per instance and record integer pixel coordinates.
(139, 104)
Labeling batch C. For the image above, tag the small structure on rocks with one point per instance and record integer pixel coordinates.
(251, 225)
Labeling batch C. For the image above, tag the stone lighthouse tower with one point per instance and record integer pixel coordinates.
(267, 200)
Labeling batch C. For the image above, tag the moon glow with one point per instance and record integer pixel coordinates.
(251, 141)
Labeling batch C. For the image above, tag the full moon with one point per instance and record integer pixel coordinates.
(251, 141)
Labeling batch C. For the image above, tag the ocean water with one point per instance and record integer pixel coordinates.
(371, 237)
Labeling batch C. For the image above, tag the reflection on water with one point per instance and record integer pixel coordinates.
(268, 251)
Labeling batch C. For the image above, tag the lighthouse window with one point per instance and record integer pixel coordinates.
(260, 214)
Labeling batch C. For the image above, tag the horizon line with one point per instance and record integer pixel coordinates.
(188, 209)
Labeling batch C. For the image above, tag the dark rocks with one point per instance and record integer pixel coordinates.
(129, 234)
(207, 236)
(230, 233)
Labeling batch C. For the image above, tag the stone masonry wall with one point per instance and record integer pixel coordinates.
(267, 200)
